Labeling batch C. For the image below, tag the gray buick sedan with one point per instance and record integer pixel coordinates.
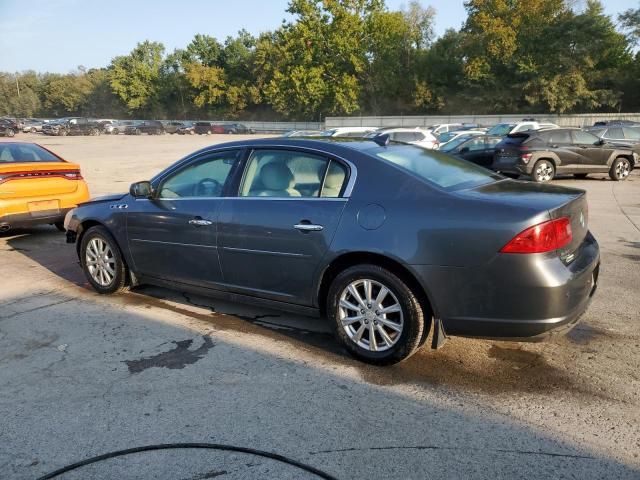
(384, 239)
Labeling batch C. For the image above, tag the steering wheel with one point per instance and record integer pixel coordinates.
(208, 187)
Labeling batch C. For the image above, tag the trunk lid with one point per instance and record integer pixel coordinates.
(41, 179)
(535, 200)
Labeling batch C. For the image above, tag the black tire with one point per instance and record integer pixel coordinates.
(9, 132)
(34, 129)
(138, 131)
(63, 132)
(120, 279)
(413, 327)
(115, 131)
(543, 171)
(620, 169)
(581, 176)
(60, 226)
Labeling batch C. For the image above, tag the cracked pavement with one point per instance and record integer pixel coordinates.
(82, 374)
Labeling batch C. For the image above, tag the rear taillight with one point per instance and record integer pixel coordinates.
(75, 175)
(544, 237)
(526, 157)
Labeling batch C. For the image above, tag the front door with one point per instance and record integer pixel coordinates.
(274, 234)
(174, 235)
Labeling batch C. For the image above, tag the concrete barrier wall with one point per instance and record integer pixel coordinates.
(577, 120)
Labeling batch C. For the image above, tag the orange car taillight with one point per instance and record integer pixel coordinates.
(69, 175)
(544, 237)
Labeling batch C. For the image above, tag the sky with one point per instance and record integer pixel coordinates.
(59, 35)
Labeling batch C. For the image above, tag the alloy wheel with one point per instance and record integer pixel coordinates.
(544, 172)
(100, 262)
(371, 315)
(623, 169)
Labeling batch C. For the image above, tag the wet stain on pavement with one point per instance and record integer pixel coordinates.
(174, 359)
(584, 334)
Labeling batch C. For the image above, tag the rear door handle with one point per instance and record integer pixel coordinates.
(200, 222)
(308, 227)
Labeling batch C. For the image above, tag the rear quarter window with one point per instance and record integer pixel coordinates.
(13, 153)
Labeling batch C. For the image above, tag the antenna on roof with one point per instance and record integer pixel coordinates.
(382, 139)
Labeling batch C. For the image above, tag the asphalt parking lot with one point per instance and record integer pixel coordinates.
(83, 375)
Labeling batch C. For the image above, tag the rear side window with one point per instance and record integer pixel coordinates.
(558, 137)
(631, 133)
(444, 171)
(19, 153)
(286, 173)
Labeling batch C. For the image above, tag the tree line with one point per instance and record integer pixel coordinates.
(350, 57)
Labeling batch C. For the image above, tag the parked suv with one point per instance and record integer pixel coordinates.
(151, 127)
(72, 126)
(203, 128)
(542, 154)
(620, 135)
(8, 127)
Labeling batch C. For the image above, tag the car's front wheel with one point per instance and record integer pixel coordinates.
(102, 261)
(9, 132)
(375, 315)
(620, 169)
(543, 171)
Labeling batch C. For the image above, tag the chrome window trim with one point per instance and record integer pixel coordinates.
(348, 190)
(330, 199)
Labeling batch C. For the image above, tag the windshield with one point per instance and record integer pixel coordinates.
(441, 170)
(501, 129)
(454, 143)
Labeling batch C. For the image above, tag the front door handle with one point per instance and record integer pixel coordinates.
(308, 227)
(200, 222)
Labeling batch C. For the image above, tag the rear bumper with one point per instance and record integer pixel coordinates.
(21, 220)
(515, 297)
(511, 165)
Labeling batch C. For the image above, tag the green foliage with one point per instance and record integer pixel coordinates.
(340, 57)
(134, 77)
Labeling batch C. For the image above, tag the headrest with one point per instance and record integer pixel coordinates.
(276, 176)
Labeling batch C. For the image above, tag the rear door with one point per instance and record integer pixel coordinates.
(174, 235)
(476, 150)
(590, 154)
(560, 142)
(274, 234)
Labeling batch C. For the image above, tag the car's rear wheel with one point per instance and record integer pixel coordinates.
(9, 132)
(63, 132)
(620, 169)
(543, 171)
(580, 175)
(102, 261)
(34, 129)
(375, 315)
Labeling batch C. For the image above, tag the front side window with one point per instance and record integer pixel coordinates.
(205, 177)
(631, 133)
(584, 138)
(284, 173)
(615, 133)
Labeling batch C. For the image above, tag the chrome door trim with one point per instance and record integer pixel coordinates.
(265, 252)
(307, 227)
(174, 243)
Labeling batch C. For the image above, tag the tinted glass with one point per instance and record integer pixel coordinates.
(453, 144)
(333, 180)
(441, 170)
(584, 138)
(558, 136)
(631, 133)
(476, 144)
(615, 132)
(500, 129)
(285, 173)
(204, 178)
(404, 136)
(18, 153)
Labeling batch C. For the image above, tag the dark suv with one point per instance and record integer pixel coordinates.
(8, 127)
(619, 135)
(542, 154)
(72, 126)
(151, 127)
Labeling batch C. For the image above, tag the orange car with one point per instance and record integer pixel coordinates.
(37, 186)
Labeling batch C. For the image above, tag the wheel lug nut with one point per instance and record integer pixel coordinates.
(362, 311)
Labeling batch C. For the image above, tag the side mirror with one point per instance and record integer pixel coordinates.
(464, 150)
(601, 142)
(141, 190)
